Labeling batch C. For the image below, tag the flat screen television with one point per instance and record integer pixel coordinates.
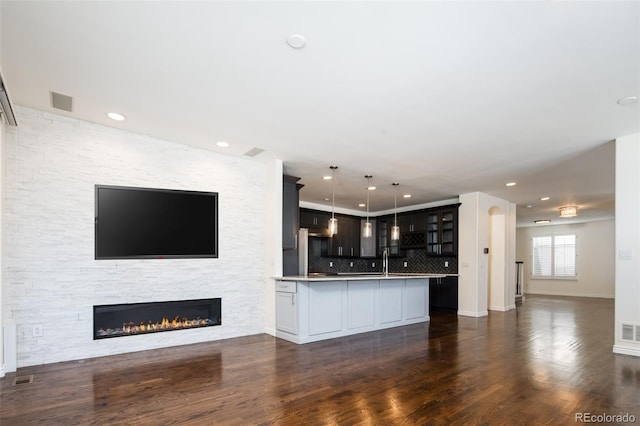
(151, 223)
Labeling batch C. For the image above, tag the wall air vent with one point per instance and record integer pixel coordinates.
(60, 101)
(253, 152)
(631, 332)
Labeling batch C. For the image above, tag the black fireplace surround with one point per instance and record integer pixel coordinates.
(130, 319)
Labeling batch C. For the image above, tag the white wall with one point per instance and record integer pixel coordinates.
(474, 224)
(50, 275)
(595, 259)
(2, 360)
(627, 248)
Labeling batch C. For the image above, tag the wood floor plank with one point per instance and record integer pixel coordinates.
(540, 364)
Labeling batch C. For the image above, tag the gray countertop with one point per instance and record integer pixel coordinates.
(361, 276)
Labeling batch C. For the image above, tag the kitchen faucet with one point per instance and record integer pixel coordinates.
(385, 261)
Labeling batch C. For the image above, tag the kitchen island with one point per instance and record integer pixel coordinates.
(313, 308)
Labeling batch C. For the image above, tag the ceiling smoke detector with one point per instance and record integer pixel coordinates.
(296, 41)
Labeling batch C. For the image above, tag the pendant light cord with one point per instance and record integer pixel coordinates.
(333, 191)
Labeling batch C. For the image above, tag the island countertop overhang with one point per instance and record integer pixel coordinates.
(361, 276)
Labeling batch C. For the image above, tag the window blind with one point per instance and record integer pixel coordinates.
(542, 247)
(554, 256)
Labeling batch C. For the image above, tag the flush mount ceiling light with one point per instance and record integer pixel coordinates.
(333, 222)
(545, 199)
(627, 100)
(569, 211)
(510, 184)
(296, 41)
(406, 196)
(542, 221)
(116, 116)
(395, 229)
(367, 228)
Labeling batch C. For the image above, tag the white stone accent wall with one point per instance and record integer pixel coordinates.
(50, 274)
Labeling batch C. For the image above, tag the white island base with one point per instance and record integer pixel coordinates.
(313, 309)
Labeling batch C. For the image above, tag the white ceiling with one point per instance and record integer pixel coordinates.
(443, 97)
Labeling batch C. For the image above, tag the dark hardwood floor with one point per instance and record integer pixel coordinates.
(540, 364)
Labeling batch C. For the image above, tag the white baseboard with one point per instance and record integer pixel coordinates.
(625, 350)
(270, 331)
(569, 294)
(473, 314)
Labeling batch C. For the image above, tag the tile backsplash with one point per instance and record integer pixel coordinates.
(416, 260)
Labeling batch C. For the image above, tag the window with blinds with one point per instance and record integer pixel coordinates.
(554, 256)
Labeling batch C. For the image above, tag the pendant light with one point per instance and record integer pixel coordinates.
(395, 229)
(367, 229)
(333, 222)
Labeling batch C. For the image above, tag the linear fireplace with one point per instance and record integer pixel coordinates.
(142, 318)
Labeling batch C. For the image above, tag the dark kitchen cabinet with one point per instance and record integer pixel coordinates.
(384, 236)
(442, 231)
(316, 221)
(412, 222)
(290, 224)
(412, 229)
(290, 218)
(443, 294)
(346, 243)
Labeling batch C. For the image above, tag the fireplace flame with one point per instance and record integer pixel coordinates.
(166, 324)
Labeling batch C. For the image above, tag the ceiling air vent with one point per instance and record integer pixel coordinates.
(253, 152)
(60, 101)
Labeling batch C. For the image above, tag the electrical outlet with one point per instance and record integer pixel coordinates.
(446, 263)
(37, 330)
(351, 264)
(405, 264)
(330, 264)
(373, 264)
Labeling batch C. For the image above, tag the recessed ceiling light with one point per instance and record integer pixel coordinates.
(406, 196)
(542, 221)
(628, 100)
(371, 188)
(529, 206)
(511, 184)
(222, 144)
(296, 41)
(115, 116)
(326, 177)
(361, 205)
(327, 199)
(545, 198)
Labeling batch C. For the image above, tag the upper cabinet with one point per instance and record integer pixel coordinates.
(290, 218)
(384, 236)
(346, 243)
(442, 231)
(433, 230)
(368, 244)
(412, 229)
(316, 221)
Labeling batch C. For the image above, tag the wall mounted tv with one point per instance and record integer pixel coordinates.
(139, 223)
